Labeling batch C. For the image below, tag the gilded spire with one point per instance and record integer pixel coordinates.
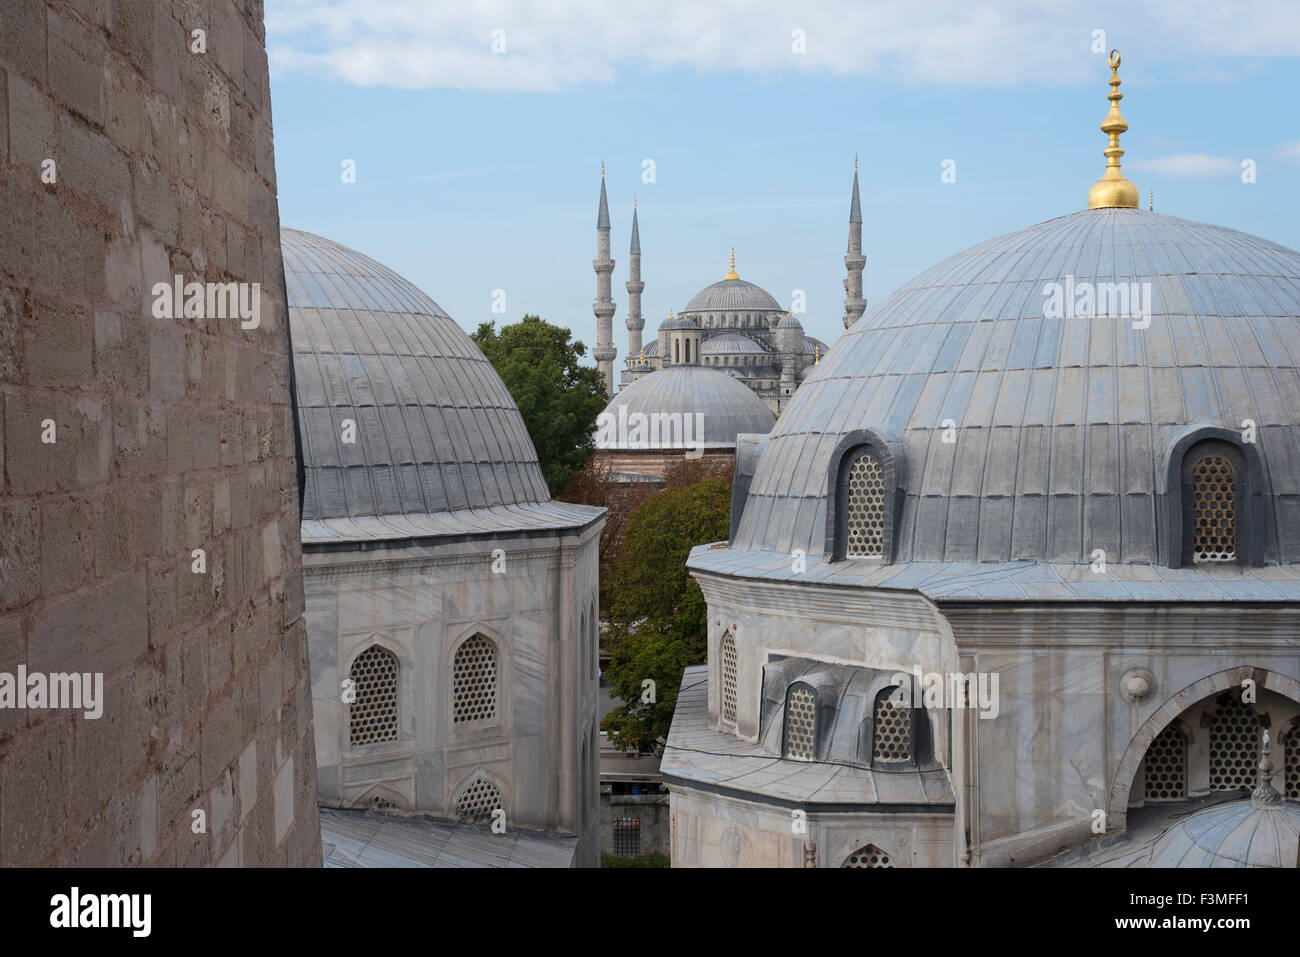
(732, 273)
(1151, 200)
(817, 355)
(1113, 189)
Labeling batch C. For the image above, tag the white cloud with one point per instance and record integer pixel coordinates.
(1290, 150)
(1189, 164)
(565, 44)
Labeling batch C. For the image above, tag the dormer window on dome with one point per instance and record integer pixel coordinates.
(865, 493)
(801, 723)
(1212, 516)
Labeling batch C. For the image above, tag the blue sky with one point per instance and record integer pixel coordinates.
(479, 171)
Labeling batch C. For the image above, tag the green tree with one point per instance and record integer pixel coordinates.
(558, 397)
(658, 622)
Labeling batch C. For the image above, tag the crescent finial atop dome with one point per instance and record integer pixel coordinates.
(1113, 189)
(732, 273)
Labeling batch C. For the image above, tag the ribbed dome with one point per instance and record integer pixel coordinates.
(729, 407)
(436, 429)
(728, 294)
(678, 322)
(1063, 425)
(732, 343)
(789, 322)
(1238, 834)
(811, 345)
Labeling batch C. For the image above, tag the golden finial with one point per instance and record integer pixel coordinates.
(817, 354)
(602, 169)
(634, 200)
(732, 273)
(1151, 200)
(855, 162)
(643, 355)
(1113, 189)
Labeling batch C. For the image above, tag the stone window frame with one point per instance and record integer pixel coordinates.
(733, 722)
(785, 721)
(402, 740)
(889, 454)
(1249, 492)
(472, 730)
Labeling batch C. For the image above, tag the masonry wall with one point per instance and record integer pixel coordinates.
(171, 435)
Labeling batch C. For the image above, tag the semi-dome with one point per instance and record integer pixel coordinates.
(1237, 834)
(728, 407)
(1061, 428)
(730, 295)
(436, 430)
(731, 344)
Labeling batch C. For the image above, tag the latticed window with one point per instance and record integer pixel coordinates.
(1166, 766)
(869, 856)
(1214, 513)
(729, 677)
(801, 724)
(372, 715)
(478, 801)
(864, 509)
(1291, 755)
(474, 681)
(1234, 746)
(892, 729)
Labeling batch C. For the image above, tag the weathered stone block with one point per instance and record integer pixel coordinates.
(76, 57)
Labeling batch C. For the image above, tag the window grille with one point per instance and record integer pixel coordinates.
(1291, 755)
(729, 677)
(627, 837)
(1234, 746)
(865, 509)
(478, 801)
(869, 856)
(1166, 766)
(372, 715)
(474, 681)
(892, 729)
(1214, 513)
(801, 724)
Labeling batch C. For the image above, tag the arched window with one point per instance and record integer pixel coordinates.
(474, 681)
(1291, 756)
(1234, 745)
(868, 856)
(729, 670)
(677, 350)
(801, 723)
(688, 350)
(478, 801)
(582, 647)
(372, 716)
(864, 508)
(891, 738)
(1213, 506)
(1166, 766)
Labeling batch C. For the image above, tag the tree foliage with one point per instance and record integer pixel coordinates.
(657, 613)
(558, 397)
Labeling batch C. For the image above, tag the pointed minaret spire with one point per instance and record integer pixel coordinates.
(635, 323)
(603, 307)
(854, 304)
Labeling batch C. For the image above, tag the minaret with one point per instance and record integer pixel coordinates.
(634, 287)
(603, 307)
(854, 304)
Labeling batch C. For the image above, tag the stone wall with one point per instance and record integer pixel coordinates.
(127, 157)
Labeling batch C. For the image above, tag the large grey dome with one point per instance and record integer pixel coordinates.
(729, 407)
(1238, 834)
(436, 428)
(1063, 425)
(731, 294)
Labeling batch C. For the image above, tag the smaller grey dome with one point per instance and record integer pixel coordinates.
(732, 294)
(789, 322)
(1238, 834)
(678, 322)
(810, 345)
(651, 348)
(731, 344)
(728, 407)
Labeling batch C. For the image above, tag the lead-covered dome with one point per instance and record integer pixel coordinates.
(1028, 435)
(727, 295)
(728, 408)
(435, 428)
